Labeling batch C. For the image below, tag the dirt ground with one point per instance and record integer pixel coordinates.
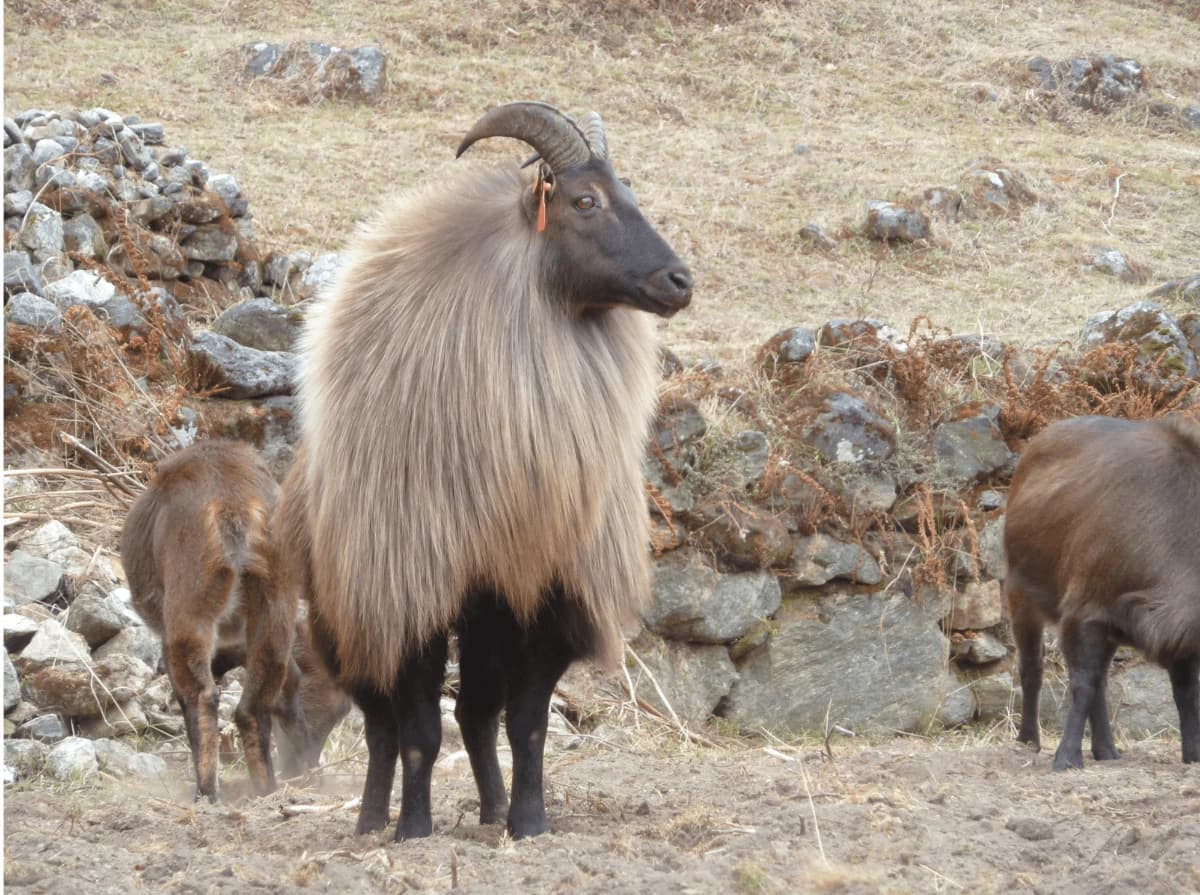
(633, 815)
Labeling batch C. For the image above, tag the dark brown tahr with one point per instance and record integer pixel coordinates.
(476, 395)
(200, 564)
(1102, 537)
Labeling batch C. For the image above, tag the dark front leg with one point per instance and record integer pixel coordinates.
(487, 637)
(415, 701)
(383, 747)
(1085, 646)
(1027, 633)
(1103, 746)
(1185, 685)
(557, 638)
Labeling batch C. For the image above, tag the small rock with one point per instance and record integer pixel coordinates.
(1114, 263)
(976, 607)
(18, 631)
(92, 615)
(24, 758)
(998, 188)
(43, 728)
(753, 451)
(86, 691)
(20, 275)
(42, 232)
(137, 641)
(787, 348)
(320, 275)
(691, 601)
(72, 760)
(120, 720)
(890, 221)
(81, 287)
(83, 236)
(121, 760)
(694, 678)
(54, 645)
(971, 449)
(1187, 288)
(958, 705)
(12, 683)
(815, 236)
(994, 696)
(742, 538)
(262, 324)
(27, 309)
(241, 372)
(819, 559)
(210, 242)
(1031, 828)
(29, 578)
(19, 168)
(979, 649)
(1162, 345)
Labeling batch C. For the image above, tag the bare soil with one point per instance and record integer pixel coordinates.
(906, 815)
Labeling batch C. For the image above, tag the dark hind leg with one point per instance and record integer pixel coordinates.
(1027, 633)
(269, 629)
(1086, 648)
(1103, 746)
(487, 637)
(560, 634)
(1185, 685)
(415, 701)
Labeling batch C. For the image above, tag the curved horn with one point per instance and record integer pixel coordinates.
(557, 138)
(593, 132)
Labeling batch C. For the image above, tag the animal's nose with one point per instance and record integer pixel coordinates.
(672, 287)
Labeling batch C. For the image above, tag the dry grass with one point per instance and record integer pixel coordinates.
(706, 101)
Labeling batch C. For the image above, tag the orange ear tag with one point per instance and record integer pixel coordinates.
(542, 187)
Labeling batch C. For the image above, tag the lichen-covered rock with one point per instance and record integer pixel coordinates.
(848, 431)
(42, 232)
(1141, 701)
(1162, 346)
(691, 601)
(1186, 288)
(81, 287)
(44, 728)
(866, 663)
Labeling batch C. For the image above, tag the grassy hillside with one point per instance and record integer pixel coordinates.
(739, 122)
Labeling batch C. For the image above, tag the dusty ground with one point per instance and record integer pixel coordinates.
(905, 815)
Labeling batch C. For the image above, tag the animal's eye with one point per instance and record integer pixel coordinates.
(585, 203)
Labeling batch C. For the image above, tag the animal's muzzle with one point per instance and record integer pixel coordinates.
(669, 290)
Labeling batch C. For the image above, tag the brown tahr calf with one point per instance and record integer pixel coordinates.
(1103, 537)
(199, 558)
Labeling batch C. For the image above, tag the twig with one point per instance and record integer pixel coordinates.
(297, 810)
(657, 688)
(1112, 211)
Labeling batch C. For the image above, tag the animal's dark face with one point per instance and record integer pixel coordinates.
(601, 251)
